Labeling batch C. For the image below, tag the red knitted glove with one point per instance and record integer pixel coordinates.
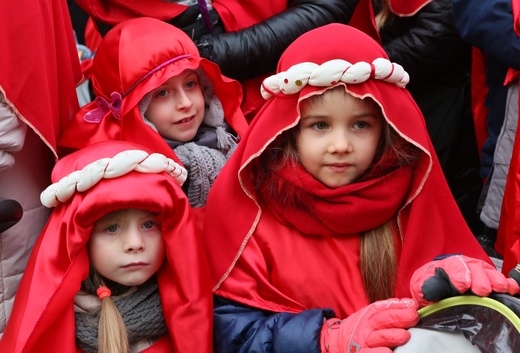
(455, 275)
(375, 328)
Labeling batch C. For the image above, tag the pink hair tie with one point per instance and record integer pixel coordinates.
(103, 292)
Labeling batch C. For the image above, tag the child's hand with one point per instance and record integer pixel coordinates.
(376, 328)
(455, 275)
(12, 135)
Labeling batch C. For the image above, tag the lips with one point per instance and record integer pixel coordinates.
(339, 167)
(135, 265)
(185, 120)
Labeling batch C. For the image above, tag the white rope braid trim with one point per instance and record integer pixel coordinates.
(331, 72)
(110, 168)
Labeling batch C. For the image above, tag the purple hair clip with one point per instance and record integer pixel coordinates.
(95, 115)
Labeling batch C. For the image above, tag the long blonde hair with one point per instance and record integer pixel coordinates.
(112, 333)
(379, 261)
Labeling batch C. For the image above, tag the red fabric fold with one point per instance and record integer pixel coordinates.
(39, 66)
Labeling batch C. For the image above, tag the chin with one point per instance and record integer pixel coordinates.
(134, 282)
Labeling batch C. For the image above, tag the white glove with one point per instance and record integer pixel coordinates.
(12, 135)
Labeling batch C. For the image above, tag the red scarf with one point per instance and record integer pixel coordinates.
(350, 209)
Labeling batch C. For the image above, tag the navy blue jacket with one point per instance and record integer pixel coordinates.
(239, 328)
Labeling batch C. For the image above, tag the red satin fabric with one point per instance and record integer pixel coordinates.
(116, 11)
(234, 14)
(43, 311)
(263, 263)
(128, 53)
(39, 65)
(407, 7)
(516, 15)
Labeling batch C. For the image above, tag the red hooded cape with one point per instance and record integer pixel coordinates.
(508, 238)
(134, 58)
(43, 312)
(258, 261)
(39, 66)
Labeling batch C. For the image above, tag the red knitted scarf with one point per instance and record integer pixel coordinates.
(353, 208)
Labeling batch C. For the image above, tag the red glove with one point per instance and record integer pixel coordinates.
(376, 328)
(455, 275)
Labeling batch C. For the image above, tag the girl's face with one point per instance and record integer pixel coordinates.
(177, 107)
(338, 137)
(127, 246)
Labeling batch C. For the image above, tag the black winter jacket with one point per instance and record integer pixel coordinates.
(428, 45)
(438, 60)
(254, 51)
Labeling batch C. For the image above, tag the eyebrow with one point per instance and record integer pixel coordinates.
(368, 115)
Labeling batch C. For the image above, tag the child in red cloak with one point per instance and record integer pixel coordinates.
(132, 61)
(245, 38)
(166, 313)
(311, 257)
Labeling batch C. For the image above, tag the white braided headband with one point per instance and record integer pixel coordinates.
(331, 72)
(109, 168)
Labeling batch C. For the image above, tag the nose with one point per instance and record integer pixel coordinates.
(134, 242)
(183, 101)
(339, 142)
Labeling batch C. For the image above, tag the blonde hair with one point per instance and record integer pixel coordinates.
(384, 16)
(379, 262)
(112, 334)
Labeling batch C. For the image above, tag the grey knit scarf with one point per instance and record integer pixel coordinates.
(204, 157)
(141, 311)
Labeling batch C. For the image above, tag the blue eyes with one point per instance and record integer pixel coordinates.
(320, 126)
(360, 125)
(187, 85)
(191, 84)
(148, 225)
(112, 228)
